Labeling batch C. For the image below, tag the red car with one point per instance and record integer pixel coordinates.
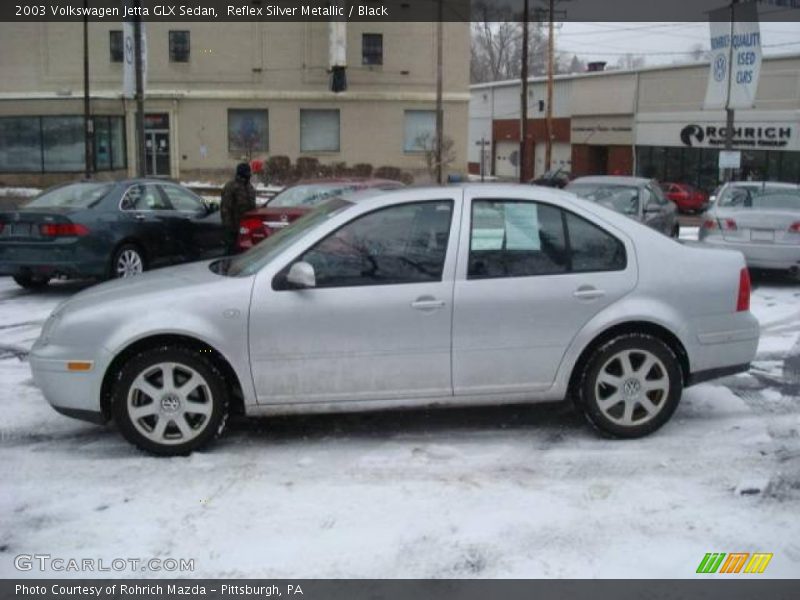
(686, 197)
(295, 201)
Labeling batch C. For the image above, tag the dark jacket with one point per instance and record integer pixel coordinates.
(238, 197)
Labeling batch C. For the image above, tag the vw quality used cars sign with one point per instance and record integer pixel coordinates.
(735, 57)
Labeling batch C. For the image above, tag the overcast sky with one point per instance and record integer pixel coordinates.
(660, 42)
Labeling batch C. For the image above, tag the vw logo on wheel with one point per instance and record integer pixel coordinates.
(720, 67)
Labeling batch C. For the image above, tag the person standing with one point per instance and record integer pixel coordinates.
(238, 197)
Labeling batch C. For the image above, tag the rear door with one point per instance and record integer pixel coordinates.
(530, 276)
(147, 218)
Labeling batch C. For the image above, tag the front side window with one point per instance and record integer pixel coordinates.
(115, 46)
(183, 200)
(319, 130)
(372, 49)
(395, 245)
(516, 239)
(248, 131)
(179, 46)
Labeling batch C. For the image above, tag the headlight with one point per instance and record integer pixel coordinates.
(50, 324)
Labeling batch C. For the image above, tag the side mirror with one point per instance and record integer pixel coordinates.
(301, 276)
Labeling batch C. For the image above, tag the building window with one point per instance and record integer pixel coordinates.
(419, 130)
(179, 46)
(56, 144)
(372, 49)
(115, 45)
(248, 131)
(319, 130)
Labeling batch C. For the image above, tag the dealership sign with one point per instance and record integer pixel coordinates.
(735, 57)
(693, 131)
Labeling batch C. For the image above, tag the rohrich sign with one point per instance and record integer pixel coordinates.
(694, 130)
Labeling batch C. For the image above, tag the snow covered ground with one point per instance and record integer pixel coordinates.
(497, 492)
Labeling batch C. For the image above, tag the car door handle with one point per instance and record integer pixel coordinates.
(587, 292)
(140, 217)
(427, 303)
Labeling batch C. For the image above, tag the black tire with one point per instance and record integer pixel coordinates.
(31, 282)
(589, 388)
(125, 250)
(676, 232)
(204, 428)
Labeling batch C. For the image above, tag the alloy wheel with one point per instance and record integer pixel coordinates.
(129, 263)
(632, 387)
(170, 403)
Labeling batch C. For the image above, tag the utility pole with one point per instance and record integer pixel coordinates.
(439, 108)
(728, 174)
(548, 145)
(141, 168)
(523, 129)
(88, 124)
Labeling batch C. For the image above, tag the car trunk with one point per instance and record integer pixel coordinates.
(29, 224)
(760, 225)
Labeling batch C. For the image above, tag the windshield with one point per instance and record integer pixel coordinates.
(251, 261)
(307, 195)
(621, 198)
(76, 195)
(761, 197)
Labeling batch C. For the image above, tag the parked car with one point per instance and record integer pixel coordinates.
(687, 198)
(407, 298)
(760, 219)
(106, 230)
(635, 197)
(295, 201)
(555, 178)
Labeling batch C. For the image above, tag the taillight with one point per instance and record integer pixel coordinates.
(250, 225)
(63, 229)
(743, 298)
(709, 224)
(727, 224)
(794, 227)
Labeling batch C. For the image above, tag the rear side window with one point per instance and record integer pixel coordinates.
(516, 239)
(523, 239)
(591, 248)
(144, 197)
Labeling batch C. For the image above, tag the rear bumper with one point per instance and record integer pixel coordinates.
(762, 256)
(70, 259)
(722, 345)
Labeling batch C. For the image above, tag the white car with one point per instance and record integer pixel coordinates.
(481, 294)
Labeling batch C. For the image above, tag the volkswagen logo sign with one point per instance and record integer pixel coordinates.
(720, 67)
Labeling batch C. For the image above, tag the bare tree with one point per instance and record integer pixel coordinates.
(631, 61)
(698, 52)
(496, 49)
(427, 143)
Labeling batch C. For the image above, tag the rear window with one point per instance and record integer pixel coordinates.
(761, 198)
(306, 195)
(75, 195)
(621, 198)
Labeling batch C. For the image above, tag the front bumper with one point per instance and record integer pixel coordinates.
(70, 392)
(781, 257)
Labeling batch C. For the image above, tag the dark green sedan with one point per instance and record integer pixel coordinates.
(106, 230)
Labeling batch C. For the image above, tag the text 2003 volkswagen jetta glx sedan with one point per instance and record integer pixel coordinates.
(462, 295)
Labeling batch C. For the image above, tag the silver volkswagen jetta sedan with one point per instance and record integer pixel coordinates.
(430, 296)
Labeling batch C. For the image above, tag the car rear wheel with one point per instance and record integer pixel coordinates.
(31, 282)
(170, 401)
(127, 262)
(630, 386)
(676, 232)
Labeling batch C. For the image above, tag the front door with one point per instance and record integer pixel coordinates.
(530, 276)
(157, 153)
(377, 324)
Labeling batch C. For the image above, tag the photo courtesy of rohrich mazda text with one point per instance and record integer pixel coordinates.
(341, 299)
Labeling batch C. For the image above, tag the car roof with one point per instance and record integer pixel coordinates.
(340, 180)
(772, 184)
(613, 180)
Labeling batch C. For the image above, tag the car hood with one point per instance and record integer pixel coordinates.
(170, 282)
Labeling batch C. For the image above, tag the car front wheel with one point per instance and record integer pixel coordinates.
(630, 386)
(170, 401)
